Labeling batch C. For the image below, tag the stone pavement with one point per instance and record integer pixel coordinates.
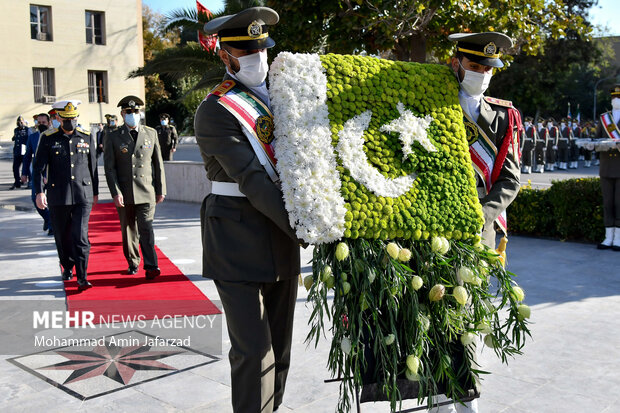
(572, 364)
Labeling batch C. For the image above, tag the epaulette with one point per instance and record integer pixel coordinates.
(50, 131)
(499, 102)
(84, 131)
(223, 88)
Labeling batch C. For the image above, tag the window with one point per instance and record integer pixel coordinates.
(43, 81)
(95, 27)
(97, 86)
(40, 22)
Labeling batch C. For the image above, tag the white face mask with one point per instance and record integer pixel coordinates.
(164, 122)
(615, 103)
(55, 123)
(132, 119)
(253, 68)
(563, 125)
(474, 83)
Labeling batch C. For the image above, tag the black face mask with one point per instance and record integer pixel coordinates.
(42, 128)
(67, 125)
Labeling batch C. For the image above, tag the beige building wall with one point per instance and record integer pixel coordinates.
(70, 57)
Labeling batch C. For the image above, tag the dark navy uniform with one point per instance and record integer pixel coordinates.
(20, 138)
(71, 167)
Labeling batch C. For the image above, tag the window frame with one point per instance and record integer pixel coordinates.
(48, 33)
(92, 29)
(94, 95)
(42, 77)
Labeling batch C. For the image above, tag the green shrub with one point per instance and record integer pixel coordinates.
(570, 209)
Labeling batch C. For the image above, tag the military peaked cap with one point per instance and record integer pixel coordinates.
(615, 91)
(131, 102)
(67, 108)
(483, 48)
(246, 30)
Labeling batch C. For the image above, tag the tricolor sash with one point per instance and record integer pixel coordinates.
(610, 126)
(257, 125)
(483, 155)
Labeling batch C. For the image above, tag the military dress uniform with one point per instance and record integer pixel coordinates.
(552, 145)
(609, 172)
(168, 138)
(528, 144)
(111, 125)
(249, 247)
(72, 184)
(134, 169)
(575, 133)
(540, 151)
(20, 138)
(564, 144)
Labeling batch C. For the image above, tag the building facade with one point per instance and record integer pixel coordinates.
(66, 49)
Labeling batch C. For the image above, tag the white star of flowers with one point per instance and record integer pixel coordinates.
(410, 129)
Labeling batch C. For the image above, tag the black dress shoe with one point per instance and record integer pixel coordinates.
(152, 273)
(67, 274)
(132, 270)
(602, 246)
(46, 225)
(83, 285)
(615, 248)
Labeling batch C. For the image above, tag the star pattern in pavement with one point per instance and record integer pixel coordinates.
(117, 363)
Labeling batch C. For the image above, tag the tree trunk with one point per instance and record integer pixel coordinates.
(411, 49)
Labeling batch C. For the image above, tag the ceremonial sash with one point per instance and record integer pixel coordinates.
(610, 126)
(484, 155)
(257, 125)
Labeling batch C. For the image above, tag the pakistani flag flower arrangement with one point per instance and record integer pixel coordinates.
(376, 173)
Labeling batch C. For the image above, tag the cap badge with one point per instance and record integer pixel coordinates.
(131, 103)
(255, 29)
(490, 49)
(69, 107)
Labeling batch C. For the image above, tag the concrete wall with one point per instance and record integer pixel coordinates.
(186, 181)
(70, 57)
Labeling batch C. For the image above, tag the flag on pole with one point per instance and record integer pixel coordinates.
(207, 42)
(568, 115)
(578, 114)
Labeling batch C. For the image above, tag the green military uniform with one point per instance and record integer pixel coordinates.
(492, 118)
(134, 169)
(249, 247)
(609, 172)
(168, 137)
(493, 125)
(110, 126)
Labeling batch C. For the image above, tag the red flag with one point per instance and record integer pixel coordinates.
(208, 42)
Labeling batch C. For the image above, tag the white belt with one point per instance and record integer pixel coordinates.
(226, 188)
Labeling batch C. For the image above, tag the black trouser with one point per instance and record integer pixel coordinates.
(70, 225)
(259, 317)
(137, 229)
(166, 152)
(45, 213)
(610, 187)
(17, 163)
(528, 152)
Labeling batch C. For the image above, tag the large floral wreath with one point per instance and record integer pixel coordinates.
(376, 173)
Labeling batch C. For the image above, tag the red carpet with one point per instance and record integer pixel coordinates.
(116, 293)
